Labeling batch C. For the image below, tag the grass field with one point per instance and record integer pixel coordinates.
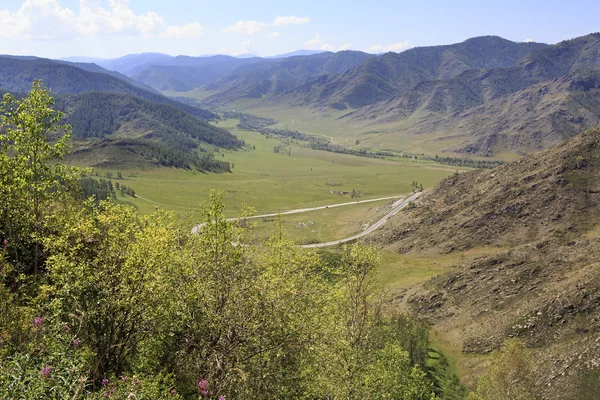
(322, 225)
(271, 182)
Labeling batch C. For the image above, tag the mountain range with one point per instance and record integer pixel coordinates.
(486, 96)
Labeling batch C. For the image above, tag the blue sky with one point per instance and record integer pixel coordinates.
(112, 28)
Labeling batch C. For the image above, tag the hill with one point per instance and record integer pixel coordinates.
(548, 96)
(17, 74)
(137, 130)
(272, 77)
(131, 62)
(184, 73)
(540, 279)
(380, 78)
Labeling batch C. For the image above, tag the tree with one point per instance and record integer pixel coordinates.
(32, 143)
(510, 376)
(115, 269)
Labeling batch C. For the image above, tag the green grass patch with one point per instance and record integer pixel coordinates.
(271, 182)
(322, 225)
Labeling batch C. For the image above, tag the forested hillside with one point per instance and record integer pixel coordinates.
(99, 114)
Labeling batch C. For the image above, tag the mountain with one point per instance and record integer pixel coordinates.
(118, 123)
(548, 96)
(100, 115)
(380, 78)
(184, 73)
(131, 62)
(276, 76)
(302, 52)
(534, 222)
(91, 67)
(76, 59)
(17, 74)
(113, 129)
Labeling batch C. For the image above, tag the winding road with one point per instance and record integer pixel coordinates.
(396, 207)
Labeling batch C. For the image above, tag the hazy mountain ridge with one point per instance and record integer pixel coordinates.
(17, 74)
(186, 73)
(542, 283)
(269, 78)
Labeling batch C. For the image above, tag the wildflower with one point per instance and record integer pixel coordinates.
(76, 343)
(66, 328)
(173, 391)
(123, 378)
(202, 384)
(45, 372)
(5, 243)
(38, 322)
(221, 397)
(204, 392)
(105, 382)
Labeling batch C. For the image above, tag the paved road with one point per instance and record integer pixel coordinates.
(399, 205)
(302, 210)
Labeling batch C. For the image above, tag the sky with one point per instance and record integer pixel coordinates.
(113, 28)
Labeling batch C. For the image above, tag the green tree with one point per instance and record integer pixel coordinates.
(32, 144)
(116, 269)
(510, 376)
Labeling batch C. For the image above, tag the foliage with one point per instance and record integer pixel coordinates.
(98, 114)
(32, 178)
(136, 306)
(101, 189)
(51, 364)
(510, 375)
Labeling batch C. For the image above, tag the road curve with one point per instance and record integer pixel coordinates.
(396, 208)
(302, 210)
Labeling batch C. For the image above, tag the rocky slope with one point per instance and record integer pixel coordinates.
(381, 78)
(541, 278)
(548, 96)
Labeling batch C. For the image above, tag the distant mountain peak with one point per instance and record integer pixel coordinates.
(301, 52)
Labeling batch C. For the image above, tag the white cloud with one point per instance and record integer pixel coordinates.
(396, 47)
(318, 43)
(184, 31)
(528, 40)
(247, 27)
(290, 20)
(246, 46)
(47, 19)
(272, 35)
(346, 46)
(254, 27)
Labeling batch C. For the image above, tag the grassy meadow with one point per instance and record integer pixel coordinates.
(271, 182)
